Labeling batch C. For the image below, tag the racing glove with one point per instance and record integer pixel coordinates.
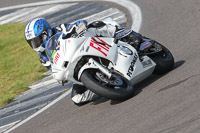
(44, 60)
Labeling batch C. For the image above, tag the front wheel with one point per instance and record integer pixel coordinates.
(164, 60)
(115, 88)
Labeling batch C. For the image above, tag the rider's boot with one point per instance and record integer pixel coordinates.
(81, 95)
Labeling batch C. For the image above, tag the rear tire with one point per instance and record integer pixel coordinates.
(108, 90)
(164, 61)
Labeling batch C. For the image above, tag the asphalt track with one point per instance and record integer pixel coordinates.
(163, 104)
(46, 90)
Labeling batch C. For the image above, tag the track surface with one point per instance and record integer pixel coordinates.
(48, 89)
(6, 3)
(164, 104)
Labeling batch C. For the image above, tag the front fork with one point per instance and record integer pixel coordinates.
(94, 64)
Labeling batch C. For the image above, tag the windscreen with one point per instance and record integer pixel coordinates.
(52, 46)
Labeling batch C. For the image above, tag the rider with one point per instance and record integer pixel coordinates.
(38, 31)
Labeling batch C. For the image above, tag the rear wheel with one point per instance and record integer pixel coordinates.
(164, 60)
(115, 88)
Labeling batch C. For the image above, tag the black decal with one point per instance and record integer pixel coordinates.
(129, 74)
(131, 68)
(87, 49)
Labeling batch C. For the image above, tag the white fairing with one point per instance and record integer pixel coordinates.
(123, 57)
(71, 51)
(130, 64)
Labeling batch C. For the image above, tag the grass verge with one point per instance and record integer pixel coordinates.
(19, 64)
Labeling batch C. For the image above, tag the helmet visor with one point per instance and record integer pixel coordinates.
(35, 42)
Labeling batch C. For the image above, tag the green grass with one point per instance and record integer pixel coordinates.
(19, 64)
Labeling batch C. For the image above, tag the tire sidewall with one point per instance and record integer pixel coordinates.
(115, 94)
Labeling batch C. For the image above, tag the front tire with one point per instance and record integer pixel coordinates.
(117, 88)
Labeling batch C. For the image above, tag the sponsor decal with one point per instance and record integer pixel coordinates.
(87, 49)
(146, 63)
(131, 67)
(98, 46)
(145, 45)
(56, 58)
(53, 54)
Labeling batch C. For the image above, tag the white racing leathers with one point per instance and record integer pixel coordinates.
(107, 30)
(80, 94)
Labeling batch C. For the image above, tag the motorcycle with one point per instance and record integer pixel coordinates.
(106, 66)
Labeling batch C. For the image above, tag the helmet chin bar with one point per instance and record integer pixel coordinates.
(39, 49)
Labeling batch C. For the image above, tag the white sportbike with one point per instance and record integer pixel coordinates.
(106, 66)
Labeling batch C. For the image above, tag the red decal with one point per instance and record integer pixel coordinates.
(147, 44)
(56, 58)
(68, 41)
(95, 41)
(99, 47)
(101, 40)
(107, 49)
